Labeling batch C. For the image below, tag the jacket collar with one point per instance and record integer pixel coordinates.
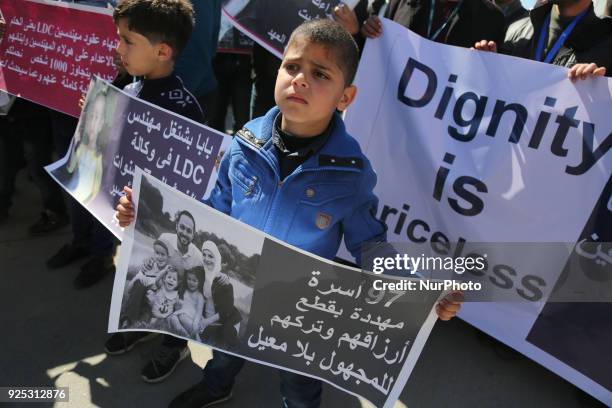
(339, 145)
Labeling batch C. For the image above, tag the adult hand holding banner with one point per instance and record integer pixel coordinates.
(117, 133)
(477, 147)
(276, 304)
(52, 49)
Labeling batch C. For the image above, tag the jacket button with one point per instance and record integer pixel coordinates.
(310, 192)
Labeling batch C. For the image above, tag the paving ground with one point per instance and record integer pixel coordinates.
(53, 335)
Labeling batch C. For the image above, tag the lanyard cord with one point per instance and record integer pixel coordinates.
(443, 26)
(560, 41)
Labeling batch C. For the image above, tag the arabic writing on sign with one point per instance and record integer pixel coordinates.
(179, 152)
(57, 49)
(33, 43)
(347, 319)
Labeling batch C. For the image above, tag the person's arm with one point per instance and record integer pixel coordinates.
(220, 197)
(361, 225)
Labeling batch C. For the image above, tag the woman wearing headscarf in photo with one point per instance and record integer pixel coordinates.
(221, 318)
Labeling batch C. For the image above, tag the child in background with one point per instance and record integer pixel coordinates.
(152, 35)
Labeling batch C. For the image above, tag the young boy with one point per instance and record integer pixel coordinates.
(152, 34)
(296, 174)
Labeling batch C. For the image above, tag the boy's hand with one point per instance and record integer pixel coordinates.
(125, 208)
(347, 18)
(584, 71)
(485, 45)
(372, 27)
(450, 304)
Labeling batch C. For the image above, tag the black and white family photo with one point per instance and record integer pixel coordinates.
(187, 277)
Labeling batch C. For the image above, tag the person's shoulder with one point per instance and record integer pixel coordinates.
(184, 102)
(340, 141)
(258, 131)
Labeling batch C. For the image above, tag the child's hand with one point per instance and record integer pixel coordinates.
(82, 101)
(125, 208)
(450, 304)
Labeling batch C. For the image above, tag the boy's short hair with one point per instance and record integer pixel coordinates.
(333, 36)
(167, 21)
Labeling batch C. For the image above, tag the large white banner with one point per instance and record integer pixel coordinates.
(472, 147)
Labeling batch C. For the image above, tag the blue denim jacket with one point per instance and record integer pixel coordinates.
(327, 197)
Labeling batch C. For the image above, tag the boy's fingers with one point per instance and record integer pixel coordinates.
(124, 213)
(125, 204)
(449, 307)
(443, 314)
(455, 297)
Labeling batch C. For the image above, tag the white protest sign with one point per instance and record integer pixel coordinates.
(472, 146)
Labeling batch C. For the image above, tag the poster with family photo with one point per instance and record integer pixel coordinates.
(187, 270)
(187, 275)
(117, 133)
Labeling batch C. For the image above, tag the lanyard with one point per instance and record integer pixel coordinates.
(443, 26)
(557, 45)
